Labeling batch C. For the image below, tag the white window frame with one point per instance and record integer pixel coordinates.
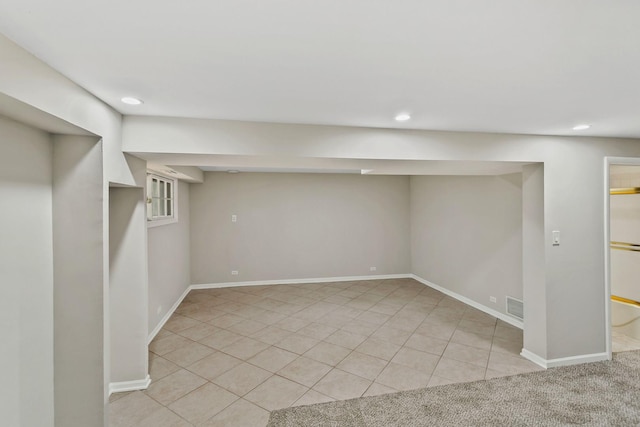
(155, 221)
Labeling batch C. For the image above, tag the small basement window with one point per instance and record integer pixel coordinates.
(161, 200)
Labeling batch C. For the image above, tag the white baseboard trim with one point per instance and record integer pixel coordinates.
(534, 358)
(295, 281)
(564, 361)
(167, 316)
(129, 385)
(504, 317)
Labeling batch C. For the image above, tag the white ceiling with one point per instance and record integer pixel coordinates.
(528, 66)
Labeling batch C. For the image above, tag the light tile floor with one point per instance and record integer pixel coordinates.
(228, 357)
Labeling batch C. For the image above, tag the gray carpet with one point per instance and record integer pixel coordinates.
(594, 394)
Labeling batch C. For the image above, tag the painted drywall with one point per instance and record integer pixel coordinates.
(78, 257)
(533, 260)
(128, 279)
(573, 194)
(169, 260)
(26, 275)
(466, 235)
(293, 226)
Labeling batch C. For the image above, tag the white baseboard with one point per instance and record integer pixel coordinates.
(504, 317)
(295, 281)
(129, 385)
(534, 358)
(564, 361)
(167, 316)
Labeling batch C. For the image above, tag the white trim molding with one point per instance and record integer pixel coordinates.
(564, 361)
(129, 385)
(168, 315)
(504, 317)
(296, 281)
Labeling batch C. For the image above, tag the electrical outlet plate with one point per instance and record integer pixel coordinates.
(493, 299)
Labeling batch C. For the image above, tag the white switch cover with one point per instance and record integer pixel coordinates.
(234, 272)
(556, 238)
(234, 218)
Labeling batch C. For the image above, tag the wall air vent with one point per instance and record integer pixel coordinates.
(515, 308)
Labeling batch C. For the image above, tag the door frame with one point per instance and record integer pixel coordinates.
(608, 161)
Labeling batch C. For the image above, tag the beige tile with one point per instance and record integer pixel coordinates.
(360, 327)
(195, 333)
(312, 397)
(336, 320)
(508, 332)
(404, 322)
(203, 403)
(163, 333)
(317, 331)
(378, 348)
(273, 359)
(392, 335)
(304, 371)
(377, 389)
(330, 354)
(468, 354)
(118, 395)
(479, 317)
(346, 339)
(427, 344)
(401, 377)
(241, 413)
(242, 379)
(415, 359)
(178, 323)
(226, 320)
(268, 317)
(246, 327)
(471, 339)
(214, 365)
(292, 324)
(245, 348)
(342, 385)
(167, 344)
(297, 343)
(337, 299)
(374, 317)
(458, 371)
(476, 328)
(220, 339)
(436, 381)
(163, 418)
(276, 393)
(363, 365)
(160, 368)
(271, 335)
(174, 386)
(490, 374)
(387, 309)
(131, 410)
(188, 354)
(440, 331)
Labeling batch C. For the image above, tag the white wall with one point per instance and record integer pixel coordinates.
(295, 226)
(78, 292)
(573, 195)
(128, 285)
(466, 235)
(26, 276)
(169, 265)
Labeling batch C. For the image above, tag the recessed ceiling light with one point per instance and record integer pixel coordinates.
(403, 117)
(131, 100)
(581, 127)
(233, 171)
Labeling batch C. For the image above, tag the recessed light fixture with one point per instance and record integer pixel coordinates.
(129, 100)
(233, 171)
(402, 117)
(581, 127)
